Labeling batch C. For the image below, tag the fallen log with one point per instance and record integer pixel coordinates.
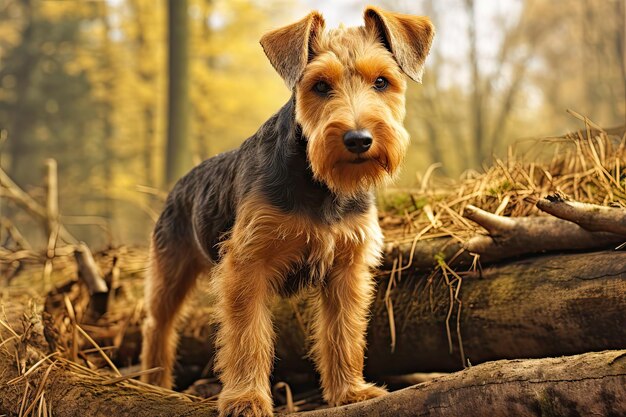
(58, 386)
(512, 237)
(581, 385)
(71, 394)
(537, 307)
(33, 381)
(422, 255)
(34, 378)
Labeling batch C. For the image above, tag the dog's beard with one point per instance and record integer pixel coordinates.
(349, 174)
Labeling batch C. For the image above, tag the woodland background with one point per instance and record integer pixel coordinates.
(86, 83)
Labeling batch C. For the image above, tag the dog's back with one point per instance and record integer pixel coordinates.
(199, 209)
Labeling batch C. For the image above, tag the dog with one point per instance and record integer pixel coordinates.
(292, 208)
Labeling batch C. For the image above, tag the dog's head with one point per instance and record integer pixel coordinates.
(350, 91)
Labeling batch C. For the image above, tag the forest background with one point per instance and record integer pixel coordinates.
(86, 83)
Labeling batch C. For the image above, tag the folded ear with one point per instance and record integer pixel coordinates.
(407, 37)
(287, 48)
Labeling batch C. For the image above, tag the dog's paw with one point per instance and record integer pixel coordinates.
(246, 405)
(365, 392)
(361, 392)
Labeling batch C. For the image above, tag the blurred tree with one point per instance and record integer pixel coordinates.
(178, 156)
(106, 104)
(43, 106)
(477, 102)
(146, 29)
(235, 89)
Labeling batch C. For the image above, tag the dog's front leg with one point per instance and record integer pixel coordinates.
(341, 322)
(245, 338)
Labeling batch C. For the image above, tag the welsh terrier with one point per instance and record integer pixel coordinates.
(292, 208)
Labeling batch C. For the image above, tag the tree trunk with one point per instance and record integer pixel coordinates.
(106, 105)
(477, 102)
(20, 141)
(178, 156)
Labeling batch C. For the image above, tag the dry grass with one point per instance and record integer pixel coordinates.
(34, 367)
(588, 166)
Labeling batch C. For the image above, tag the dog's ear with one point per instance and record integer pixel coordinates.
(407, 37)
(288, 48)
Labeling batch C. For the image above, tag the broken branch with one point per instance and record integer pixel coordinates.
(591, 217)
(514, 236)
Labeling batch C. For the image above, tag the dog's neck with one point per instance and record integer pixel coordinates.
(288, 180)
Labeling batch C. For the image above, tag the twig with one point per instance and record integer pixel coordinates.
(90, 275)
(15, 193)
(131, 375)
(290, 407)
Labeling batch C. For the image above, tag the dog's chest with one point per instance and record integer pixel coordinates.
(315, 261)
(294, 251)
(324, 251)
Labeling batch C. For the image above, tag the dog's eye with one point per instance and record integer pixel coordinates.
(381, 84)
(322, 88)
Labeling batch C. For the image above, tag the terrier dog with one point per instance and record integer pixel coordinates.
(293, 207)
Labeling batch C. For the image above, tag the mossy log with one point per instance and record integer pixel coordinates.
(543, 306)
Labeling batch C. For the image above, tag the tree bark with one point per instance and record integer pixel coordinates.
(587, 384)
(536, 307)
(511, 237)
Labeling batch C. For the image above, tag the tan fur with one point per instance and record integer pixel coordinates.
(409, 37)
(350, 60)
(171, 277)
(287, 48)
(264, 247)
(342, 315)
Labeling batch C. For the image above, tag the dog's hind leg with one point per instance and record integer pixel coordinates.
(172, 273)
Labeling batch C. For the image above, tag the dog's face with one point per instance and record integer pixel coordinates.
(350, 92)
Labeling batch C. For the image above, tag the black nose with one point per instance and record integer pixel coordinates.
(357, 141)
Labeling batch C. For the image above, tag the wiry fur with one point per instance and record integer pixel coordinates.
(291, 208)
(350, 60)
